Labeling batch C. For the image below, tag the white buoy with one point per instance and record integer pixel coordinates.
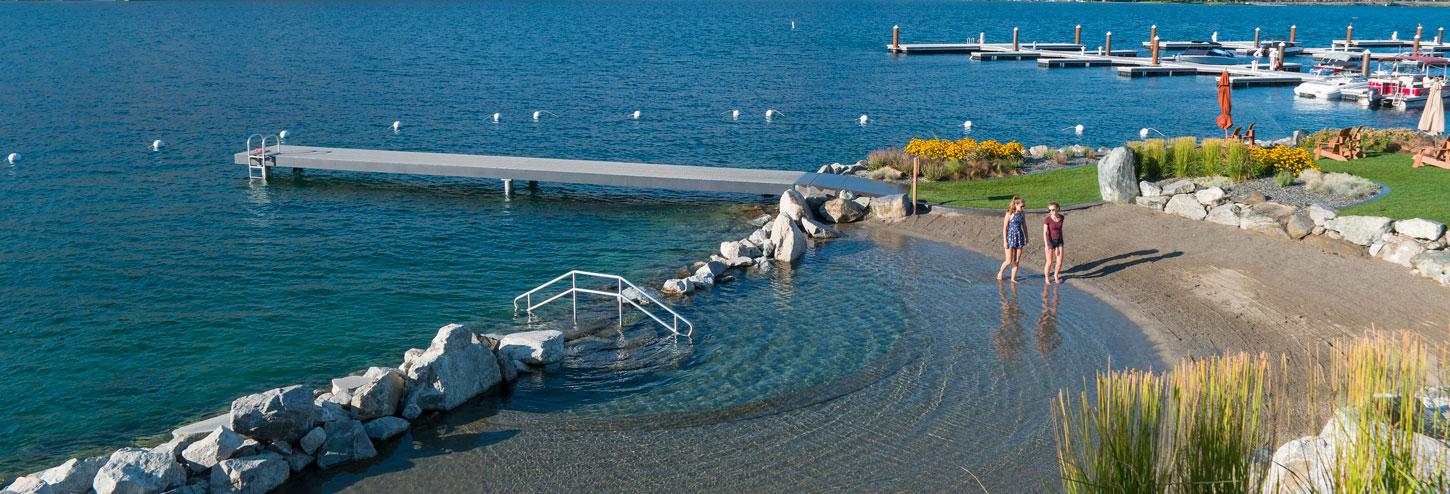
(862, 119)
(397, 124)
(792, 25)
(1395, 36)
(1077, 129)
(282, 136)
(1143, 134)
(634, 116)
(1214, 37)
(540, 113)
(770, 114)
(156, 145)
(734, 114)
(13, 158)
(497, 117)
(967, 125)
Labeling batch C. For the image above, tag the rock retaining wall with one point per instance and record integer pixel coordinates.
(1418, 244)
(267, 437)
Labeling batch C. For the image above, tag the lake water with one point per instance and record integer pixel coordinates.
(144, 289)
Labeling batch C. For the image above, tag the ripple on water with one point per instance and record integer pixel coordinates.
(881, 363)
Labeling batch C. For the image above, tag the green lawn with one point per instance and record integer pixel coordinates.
(1066, 187)
(1414, 192)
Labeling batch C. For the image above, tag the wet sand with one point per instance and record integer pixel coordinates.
(1198, 288)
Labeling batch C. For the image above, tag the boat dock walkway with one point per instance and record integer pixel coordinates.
(509, 168)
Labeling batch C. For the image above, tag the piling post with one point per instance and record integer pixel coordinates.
(508, 187)
(1155, 50)
(1440, 36)
(1349, 36)
(1153, 32)
(896, 38)
(915, 171)
(1416, 49)
(1077, 35)
(1293, 30)
(1256, 37)
(1364, 64)
(1279, 61)
(1109, 44)
(1014, 39)
(1419, 30)
(981, 39)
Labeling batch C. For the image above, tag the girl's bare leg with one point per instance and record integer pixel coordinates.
(1057, 269)
(1006, 260)
(1016, 256)
(1047, 267)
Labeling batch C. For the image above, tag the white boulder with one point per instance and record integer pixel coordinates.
(789, 241)
(282, 414)
(251, 475)
(892, 207)
(75, 476)
(1399, 250)
(1320, 214)
(1152, 202)
(138, 471)
(815, 229)
(1149, 189)
(842, 210)
(1258, 222)
(1301, 466)
(1362, 230)
(379, 395)
(1211, 196)
(1224, 214)
(347, 441)
(1118, 176)
(451, 371)
(533, 347)
(677, 287)
(1187, 206)
(792, 205)
(1433, 264)
(1179, 187)
(215, 447)
(1420, 228)
(385, 428)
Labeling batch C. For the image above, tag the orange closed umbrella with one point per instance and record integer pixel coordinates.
(1225, 103)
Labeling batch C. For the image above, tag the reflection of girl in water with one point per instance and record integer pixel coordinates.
(1047, 337)
(1010, 337)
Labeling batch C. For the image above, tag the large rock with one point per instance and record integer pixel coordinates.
(1433, 264)
(1320, 214)
(1299, 225)
(1152, 202)
(1301, 466)
(792, 205)
(841, 210)
(282, 414)
(347, 441)
(1256, 222)
(1362, 230)
(677, 287)
(892, 207)
(1179, 187)
(386, 428)
(815, 229)
(30, 485)
(379, 395)
(1224, 214)
(533, 347)
(1149, 189)
(451, 371)
(1399, 250)
(1118, 176)
(251, 475)
(1420, 228)
(1278, 211)
(1187, 206)
(75, 476)
(215, 447)
(139, 471)
(789, 241)
(1211, 196)
(312, 440)
(761, 220)
(712, 269)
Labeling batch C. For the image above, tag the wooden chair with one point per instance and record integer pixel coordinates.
(1346, 146)
(1438, 155)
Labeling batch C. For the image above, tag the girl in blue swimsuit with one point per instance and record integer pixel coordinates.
(1014, 236)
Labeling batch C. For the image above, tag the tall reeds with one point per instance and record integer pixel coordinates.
(1212, 157)
(1239, 161)
(1184, 149)
(1219, 422)
(1108, 443)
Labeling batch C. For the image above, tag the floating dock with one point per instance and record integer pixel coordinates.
(509, 168)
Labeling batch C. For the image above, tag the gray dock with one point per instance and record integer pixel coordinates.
(605, 173)
(1053, 63)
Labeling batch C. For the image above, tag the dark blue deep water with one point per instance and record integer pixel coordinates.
(141, 289)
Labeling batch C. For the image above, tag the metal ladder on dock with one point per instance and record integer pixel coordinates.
(261, 159)
(618, 294)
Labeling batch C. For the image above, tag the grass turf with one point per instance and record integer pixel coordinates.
(1078, 185)
(1414, 192)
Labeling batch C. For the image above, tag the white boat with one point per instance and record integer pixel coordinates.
(1208, 55)
(1330, 88)
(1407, 84)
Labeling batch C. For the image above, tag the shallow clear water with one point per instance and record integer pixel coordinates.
(966, 381)
(141, 290)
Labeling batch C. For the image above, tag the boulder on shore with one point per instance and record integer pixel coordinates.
(379, 394)
(347, 441)
(251, 475)
(1400, 250)
(789, 241)
(1420, 228)
(892, 207)
(1362, 230)
(1156, 203)
(533, 347)
(792, 204)
(1118, 176)
(1149, 189)
(215, 447)
(1224, 214)
(1320, 214)
(386, 428)
(282, 414)
(1300, 225)
(75, 476)
(1179, 187)
(840, 210)
(815, 229)
(138, 471)
(676, 287)
(1211, 196)
(451, 371)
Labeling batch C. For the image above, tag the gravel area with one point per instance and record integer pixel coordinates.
(1296, 195)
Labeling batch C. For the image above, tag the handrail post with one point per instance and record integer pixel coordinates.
(574, 293)
(619, 299)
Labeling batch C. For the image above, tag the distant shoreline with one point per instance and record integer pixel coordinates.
(1297, 3)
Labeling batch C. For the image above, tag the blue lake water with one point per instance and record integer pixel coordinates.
(143, 289)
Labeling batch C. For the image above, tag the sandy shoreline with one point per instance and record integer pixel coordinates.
(1199, 289)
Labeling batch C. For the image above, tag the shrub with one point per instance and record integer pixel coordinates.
(1238, 161)
(934, 170)
(1183, 150)
(1152, 158)
(1110, 443)
(1375, 140)
(1060, 158)
(892, 157)
(1284, 179)
(1283, 159)
(1211, 156)
(956, 169)
(1340, 184)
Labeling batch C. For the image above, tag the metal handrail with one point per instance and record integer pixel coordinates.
(618, 294)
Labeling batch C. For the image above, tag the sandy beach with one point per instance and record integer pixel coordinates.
(1198, 288)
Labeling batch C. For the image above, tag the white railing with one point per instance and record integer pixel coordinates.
(260, 158)
(618, 294)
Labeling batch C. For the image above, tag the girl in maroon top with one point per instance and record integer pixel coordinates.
(1052, 238)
